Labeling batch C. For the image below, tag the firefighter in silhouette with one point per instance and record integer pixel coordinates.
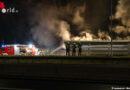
(73, 49)
(67, 48)
(79, 48)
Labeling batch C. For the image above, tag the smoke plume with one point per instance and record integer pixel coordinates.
(55, 21)
(123, 15)
(51, 24)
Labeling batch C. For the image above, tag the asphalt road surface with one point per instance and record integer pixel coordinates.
(63, 77)
(19, 84)
(52, 75)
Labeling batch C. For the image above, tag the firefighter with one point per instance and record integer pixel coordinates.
(79, 48)
(73, 49)
(67, 48)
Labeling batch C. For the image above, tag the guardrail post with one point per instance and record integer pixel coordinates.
(129, 48)
(108, 48)
(89, 47)
(86, 52)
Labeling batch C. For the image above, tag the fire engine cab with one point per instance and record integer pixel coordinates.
(18, 50)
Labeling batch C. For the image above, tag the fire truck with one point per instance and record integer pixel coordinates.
(18, 49)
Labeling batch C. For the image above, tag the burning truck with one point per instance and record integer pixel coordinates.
(18, 49)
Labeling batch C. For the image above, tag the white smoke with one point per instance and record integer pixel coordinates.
(52, 24)
(123, 14)
(64, 31)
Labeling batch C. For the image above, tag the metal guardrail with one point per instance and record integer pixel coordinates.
(106, 49)
(96, 48)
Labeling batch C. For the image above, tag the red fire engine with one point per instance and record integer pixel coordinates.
(18, 50)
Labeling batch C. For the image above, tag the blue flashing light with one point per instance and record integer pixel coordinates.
(3, 45)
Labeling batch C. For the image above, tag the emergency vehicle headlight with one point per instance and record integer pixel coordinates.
(30, 45)
(15, 46)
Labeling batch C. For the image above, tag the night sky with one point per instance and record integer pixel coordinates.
(16, 27)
